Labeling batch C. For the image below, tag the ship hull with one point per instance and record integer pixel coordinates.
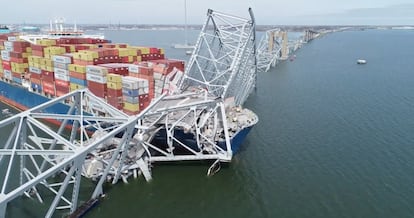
(23, 99)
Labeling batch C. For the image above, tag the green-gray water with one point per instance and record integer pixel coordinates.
(335, 139)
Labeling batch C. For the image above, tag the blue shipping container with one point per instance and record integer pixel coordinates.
(17, 80)
(36, 87)
(78, 81)
(130, 92)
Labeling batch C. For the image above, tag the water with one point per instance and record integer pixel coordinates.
(334, 140)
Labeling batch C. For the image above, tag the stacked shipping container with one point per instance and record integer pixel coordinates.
(127, 77)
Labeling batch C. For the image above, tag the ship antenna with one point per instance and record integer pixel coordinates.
(51, 25)
(56, 24)
(75, 29)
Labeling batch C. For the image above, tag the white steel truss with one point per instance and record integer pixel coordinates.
(35, 153)
(224, 60)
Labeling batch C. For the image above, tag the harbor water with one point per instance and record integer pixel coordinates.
(335, 139)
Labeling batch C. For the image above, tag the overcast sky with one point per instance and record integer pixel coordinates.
(287, 12)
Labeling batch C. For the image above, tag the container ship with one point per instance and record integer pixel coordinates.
(35, 69)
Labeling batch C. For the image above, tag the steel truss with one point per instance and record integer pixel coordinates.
(35, 153)
(224, 60)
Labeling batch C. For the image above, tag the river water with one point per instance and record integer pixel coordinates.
(335, 139)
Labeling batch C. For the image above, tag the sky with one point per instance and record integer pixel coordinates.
(267, 12)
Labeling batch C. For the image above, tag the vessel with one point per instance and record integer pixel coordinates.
(117, 101)
(361, 61)
(127, 77)
(4, 29)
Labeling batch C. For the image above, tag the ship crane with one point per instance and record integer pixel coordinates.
(105, 144)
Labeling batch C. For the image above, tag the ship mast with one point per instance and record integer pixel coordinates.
(185, 22)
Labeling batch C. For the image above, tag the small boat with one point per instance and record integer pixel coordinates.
(361, 61)
(188, 52)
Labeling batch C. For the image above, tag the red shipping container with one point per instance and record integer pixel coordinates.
(20, 50)
(49, 85)
(35, 80)
(14, 54)
(48, 90)
(37, 53)
(62, 83)
(77, 75)
(60, 93)
(115, 101)
(97, 88)
(37, 47)
(36, 76)
(18, 60)
(113, 93)
(48, 78)
(63, 89)
(143, 105)
(16, 75)
(154, 50)
(6, 65)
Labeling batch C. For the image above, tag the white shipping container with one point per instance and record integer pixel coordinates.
(61, 71)
(97, 70)
(130, 82)
(5, 53)
(7, 74)
(12, 38)
(5, 57)
(158, 76)
(159, 83)
(8, 48)
(62, 76)
(133, 69)
(143, 83)
(62, 59)
(96, 78)
(8, 43)
(35, 70)
(143, 91)
(61, 66)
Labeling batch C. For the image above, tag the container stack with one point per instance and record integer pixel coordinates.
(62, 76)
(41, 70)
(148, 53)
(114, 89)
(5, 57)
(77, 78)
(1, 57)
(145, 71)
(18, 51)
(130, 94)
(129, 55)
(96, 80)
(127, 77)
(117, 68)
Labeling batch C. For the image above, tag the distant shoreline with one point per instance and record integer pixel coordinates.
(291, 28)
